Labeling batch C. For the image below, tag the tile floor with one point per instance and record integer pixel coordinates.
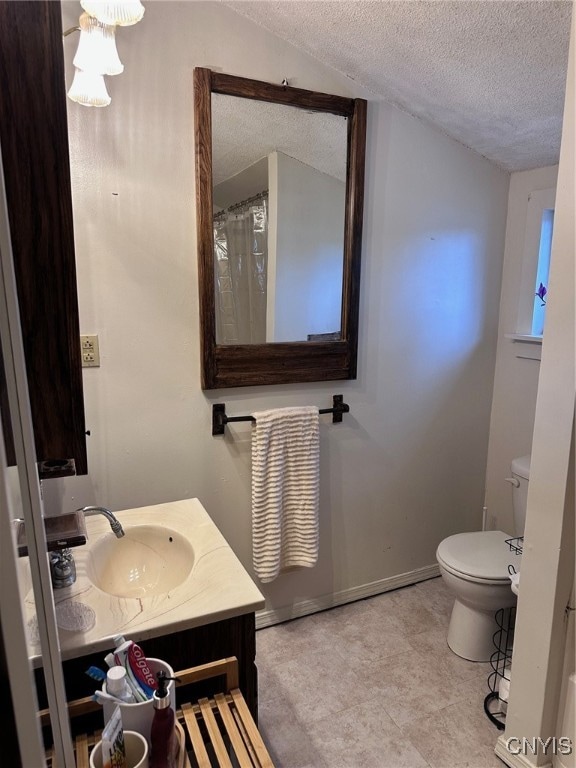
(373, 684)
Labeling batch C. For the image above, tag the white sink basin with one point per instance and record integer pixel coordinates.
(149, 560)
(172, 571)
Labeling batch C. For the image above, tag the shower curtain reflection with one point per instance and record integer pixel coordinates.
(241, 260)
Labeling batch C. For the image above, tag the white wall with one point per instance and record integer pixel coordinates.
(516, 378)
(547, 572)
(407, 466)
(306, 257)
(250, 181)
(566, 724)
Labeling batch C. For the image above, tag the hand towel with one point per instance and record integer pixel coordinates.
(285, 490)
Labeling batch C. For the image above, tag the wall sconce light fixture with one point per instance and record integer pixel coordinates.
(97, 55)
(123, 13)
(97, 52)
(89, 90)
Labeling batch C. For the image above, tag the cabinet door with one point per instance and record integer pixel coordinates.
(34, 141)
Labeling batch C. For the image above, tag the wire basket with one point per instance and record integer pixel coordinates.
(516, 545)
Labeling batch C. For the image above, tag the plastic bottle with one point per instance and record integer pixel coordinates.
(162, 734)
(117, 685)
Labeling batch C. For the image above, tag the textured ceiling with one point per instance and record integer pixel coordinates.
(489, 73)
(244, 131)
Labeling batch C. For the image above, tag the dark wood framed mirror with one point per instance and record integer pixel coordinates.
(279, 203)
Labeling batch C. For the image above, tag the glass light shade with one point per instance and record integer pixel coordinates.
(97, 52)
(89, 90)
(123, 12)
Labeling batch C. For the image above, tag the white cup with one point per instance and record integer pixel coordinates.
(138, 717)
(136, 751)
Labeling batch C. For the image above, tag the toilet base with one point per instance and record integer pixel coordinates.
(471, 632)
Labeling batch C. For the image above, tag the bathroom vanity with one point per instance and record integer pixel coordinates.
(172, 584)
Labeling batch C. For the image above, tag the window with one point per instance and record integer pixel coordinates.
(542, 272)
(535, 264)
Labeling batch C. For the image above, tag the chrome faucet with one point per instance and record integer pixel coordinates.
(115, 524)
(62, 565)
(62, 533)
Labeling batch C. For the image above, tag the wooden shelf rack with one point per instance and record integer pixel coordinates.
(220, 731)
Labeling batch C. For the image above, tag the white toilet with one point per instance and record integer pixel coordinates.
(474, 566)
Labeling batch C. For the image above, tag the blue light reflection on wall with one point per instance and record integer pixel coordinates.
(446, 284)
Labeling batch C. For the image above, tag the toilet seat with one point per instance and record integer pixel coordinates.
(482, 556)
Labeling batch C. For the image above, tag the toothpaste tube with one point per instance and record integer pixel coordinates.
(113, 750)
(140, 667)
(132, 658)
(121, 660)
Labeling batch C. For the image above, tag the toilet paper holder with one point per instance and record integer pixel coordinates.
(500, 661)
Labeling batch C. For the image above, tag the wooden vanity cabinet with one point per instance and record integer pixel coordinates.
(35, 157)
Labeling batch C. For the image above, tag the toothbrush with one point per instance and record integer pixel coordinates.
(96, 674)
(100, 695)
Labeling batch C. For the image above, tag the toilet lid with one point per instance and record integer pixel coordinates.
(480, 555)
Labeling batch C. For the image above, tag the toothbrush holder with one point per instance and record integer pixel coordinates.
(138, 717)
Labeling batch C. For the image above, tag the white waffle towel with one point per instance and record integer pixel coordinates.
(285, 490)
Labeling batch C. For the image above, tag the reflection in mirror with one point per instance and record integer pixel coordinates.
(279, 202)
(279, 191)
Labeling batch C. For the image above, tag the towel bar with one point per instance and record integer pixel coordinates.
(220, 419)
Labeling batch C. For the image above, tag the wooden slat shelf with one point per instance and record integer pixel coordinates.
(232, 739)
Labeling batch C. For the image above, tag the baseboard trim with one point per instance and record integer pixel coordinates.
(512, 760)
(267, 618)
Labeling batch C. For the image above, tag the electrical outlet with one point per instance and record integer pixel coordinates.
(90, 351)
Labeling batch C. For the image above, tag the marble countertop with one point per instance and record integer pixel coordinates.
(218, 587)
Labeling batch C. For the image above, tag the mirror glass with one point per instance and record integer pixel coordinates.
(279, 193)
(279, 201)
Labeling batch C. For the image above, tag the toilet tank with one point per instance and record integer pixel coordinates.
(521, 474)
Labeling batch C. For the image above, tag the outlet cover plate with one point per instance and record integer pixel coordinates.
(90, 351)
